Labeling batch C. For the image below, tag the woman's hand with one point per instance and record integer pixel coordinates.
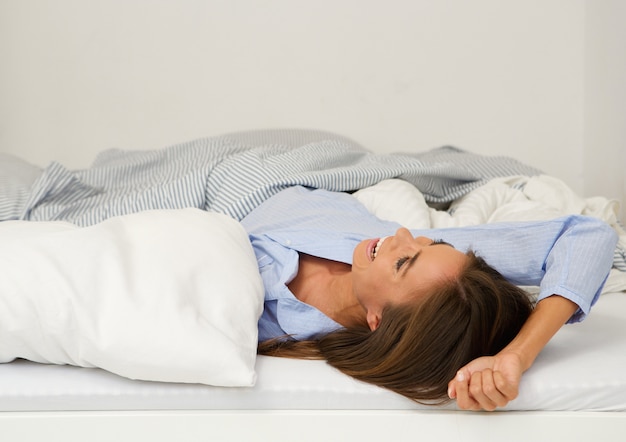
(488, 382)
(493, 381)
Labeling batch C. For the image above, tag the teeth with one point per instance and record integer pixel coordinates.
(377, 248)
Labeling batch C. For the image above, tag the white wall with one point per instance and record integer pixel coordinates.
(604, 170)
(491, 76)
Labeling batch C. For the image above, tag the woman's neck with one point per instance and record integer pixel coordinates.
(327, 286)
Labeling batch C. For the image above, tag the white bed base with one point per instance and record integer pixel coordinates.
(312, 425)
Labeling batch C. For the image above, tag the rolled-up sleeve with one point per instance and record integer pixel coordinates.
(569, 256)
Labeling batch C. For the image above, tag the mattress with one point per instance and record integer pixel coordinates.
(580, 369)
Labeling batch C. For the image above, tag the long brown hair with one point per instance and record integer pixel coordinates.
(417, 349)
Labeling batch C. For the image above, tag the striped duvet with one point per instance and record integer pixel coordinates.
(232, 174)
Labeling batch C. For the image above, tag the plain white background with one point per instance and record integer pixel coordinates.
(539, 80)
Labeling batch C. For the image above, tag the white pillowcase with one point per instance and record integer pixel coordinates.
(161, 295)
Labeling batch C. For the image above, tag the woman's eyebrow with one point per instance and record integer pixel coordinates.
(410, 263)
(413, 259)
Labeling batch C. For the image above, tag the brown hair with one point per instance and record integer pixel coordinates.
(417, 349)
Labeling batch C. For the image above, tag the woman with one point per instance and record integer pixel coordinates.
(419, 312)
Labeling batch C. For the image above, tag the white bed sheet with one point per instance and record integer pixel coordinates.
(582, 368)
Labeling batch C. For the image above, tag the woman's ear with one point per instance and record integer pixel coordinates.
(373, 320)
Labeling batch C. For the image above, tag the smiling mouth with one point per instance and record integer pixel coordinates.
(376, 248)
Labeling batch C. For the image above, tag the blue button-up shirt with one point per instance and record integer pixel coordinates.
(570, 256)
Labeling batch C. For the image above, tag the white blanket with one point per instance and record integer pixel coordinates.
(164, 295)
(515, 198)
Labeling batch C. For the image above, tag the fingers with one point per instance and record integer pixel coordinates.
(459, 381)
(452, 390)
(484, 390)
(508, 389)
(464, 399)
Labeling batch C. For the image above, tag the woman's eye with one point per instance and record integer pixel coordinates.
(400, 262)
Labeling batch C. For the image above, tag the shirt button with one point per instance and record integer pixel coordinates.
(288, 242)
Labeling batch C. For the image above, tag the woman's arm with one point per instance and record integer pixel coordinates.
(493, 381)
(570, 258)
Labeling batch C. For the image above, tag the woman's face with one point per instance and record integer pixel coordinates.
(400, 269)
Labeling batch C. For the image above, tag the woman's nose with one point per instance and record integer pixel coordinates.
(404, 234)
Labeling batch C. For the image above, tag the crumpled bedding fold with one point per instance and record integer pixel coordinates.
(231, 174)
(513, 198)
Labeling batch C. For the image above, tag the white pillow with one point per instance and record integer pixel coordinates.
(159, 295)
(396, 200)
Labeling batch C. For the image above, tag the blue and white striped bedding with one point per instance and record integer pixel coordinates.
(232, 174)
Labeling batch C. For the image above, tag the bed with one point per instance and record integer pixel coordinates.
(575, 390)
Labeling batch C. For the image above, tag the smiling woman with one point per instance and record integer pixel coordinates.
(418, 316)
(405, 272)
(401, 270)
